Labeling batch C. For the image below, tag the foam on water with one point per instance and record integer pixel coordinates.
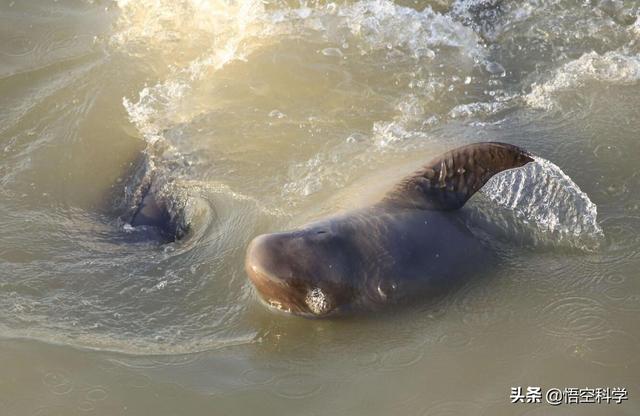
(386, 25)
(615, 67)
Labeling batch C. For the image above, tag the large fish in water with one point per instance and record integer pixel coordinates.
(410, 243)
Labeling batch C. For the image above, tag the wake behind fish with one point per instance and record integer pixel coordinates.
(541, 195)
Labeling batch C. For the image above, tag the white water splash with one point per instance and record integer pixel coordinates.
(180, 30)
(612, 67)
(383, 24)
(541, 194)
(232, 31)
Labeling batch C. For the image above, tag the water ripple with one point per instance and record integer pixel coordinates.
(257, 376)
(17, 46)
(615, 348)
(298, 386)
(456, 338)
(58, 383)
(453, 408)
(575, 317)
(402, 357)
(622, 298)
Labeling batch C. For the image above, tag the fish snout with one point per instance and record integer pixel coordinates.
(260, 260)
(270, 264)
(264, 267)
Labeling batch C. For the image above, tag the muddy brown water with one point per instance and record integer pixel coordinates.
(258, 116)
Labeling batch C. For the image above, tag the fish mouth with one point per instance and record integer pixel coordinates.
(288, 295)
(273, 293)
(277, 297)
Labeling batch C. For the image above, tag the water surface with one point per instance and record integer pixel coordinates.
(253, 117)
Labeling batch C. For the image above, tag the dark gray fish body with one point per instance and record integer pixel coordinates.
(410, 243)
(362, 260)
